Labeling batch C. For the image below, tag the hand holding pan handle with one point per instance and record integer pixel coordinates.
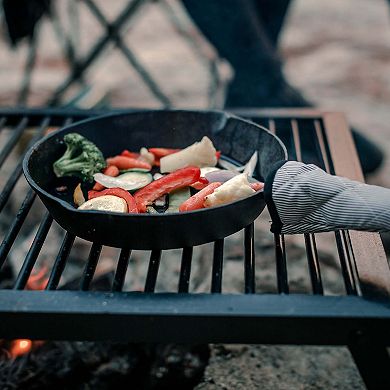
(304, 199)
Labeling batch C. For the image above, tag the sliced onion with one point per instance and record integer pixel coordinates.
(220, 176)
(250, 166)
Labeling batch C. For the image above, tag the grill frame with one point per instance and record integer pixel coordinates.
(359, 319)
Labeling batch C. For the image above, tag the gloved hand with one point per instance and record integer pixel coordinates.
(304, 199)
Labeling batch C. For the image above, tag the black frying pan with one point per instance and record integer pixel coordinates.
(235, 137)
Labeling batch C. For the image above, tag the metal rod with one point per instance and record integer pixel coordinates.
(90, 268)
(346, 262)
(13, 139)
(185, 270)
(352, 261)
(33, 252)
(28, 69)
(100, 44)
(17, 172)
(154, 264)
(3, 120)
(281, 264)
(272, 127)
(249, 260)
(216, 277)
(60, 262)
(349, 282)
(13, 231)
(314, 265)
(147, 78)
(121, 269)
(310, 244)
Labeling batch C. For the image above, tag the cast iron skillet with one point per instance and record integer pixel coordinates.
(235, 137)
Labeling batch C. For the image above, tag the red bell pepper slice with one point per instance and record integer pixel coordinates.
(162, 152)
(131, 205)
(180, 178)
(127, 153)
(123, 162)
(197, 201)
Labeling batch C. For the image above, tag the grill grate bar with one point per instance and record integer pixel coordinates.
(185, 270)
(90, 268)
(314, 266)
(3, 119)
(121, 269)
(344, 248)
(216, 279)
(151, 277)
(13, 231)
(15, 175)
(33, 252)
(310, 244)
(280, 252)
(10, 185)
(350, 285)
(281, 264)
(12, 141)
(249, 260)
(60, 262)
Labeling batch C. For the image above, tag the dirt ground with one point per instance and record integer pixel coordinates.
(336, 52)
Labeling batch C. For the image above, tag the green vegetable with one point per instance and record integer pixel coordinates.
(82, 158)
(134, 170)
(176, 198)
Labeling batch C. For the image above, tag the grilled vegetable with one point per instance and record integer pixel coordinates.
(82, 158)
(123, 162)
(176, 198)
(131, 205)
(106, 203)
(162, 152)
(78, 196)
(197, 201)
(236, 188)
(199, 154)
(181, 178)
(112, 171)
(127, 181)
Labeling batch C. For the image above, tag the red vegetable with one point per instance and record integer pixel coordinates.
(162, 152)
(202, 183)
(197, 201)
(123, 162)
(112, 171)
(131, 205)
(181, 178)
(218, 154)
(257, 186)
(127, 153)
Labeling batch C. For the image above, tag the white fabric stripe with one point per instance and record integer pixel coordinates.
(310, 200)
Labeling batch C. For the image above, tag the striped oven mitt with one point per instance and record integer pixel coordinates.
(303, 198)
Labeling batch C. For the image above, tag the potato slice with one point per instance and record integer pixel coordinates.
(78, 197)
(106, 203)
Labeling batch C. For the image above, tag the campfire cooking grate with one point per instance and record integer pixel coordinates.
(359, 318)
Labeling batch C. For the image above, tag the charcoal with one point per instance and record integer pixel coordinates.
(105, 365)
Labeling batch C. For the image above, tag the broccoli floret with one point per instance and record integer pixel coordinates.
(82, 158)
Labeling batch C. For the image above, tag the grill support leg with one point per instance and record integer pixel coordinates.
(372, 361)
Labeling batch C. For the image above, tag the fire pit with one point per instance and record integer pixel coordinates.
(252, 317)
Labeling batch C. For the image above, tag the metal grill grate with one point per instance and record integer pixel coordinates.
(301, 131)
